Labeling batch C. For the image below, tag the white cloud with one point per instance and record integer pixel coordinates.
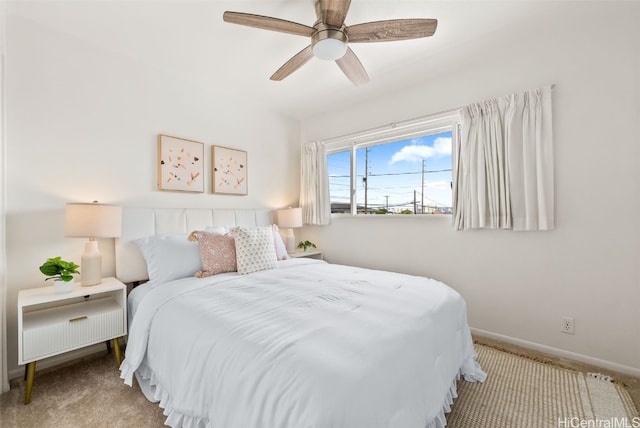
(437, 184)
(418, 152)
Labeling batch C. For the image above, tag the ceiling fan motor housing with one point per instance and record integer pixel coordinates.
(329, 43)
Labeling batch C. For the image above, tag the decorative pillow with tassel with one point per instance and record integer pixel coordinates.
(217, 252)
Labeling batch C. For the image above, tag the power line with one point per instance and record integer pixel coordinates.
(391, 173)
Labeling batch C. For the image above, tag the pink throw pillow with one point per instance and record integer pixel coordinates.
(217, 252)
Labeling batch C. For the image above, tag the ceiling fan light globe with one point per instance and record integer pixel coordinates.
(329, 49)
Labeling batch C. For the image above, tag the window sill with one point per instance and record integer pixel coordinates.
(447, 217)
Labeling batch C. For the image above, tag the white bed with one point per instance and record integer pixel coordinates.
(307, 344)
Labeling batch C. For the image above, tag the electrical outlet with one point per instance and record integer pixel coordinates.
(567, 325)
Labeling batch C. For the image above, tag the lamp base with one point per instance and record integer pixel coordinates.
(91, 265)
(290, 240)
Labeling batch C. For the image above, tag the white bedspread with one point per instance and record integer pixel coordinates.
(309, 344)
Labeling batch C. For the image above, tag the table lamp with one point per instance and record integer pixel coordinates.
(92, 221)
(288, 219)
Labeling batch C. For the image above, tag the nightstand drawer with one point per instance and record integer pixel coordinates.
(51, 331)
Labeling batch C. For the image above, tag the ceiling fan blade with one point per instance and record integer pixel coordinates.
(268, 23)
(393, 29)
(334, 11)
(297, 61)
(352, 68)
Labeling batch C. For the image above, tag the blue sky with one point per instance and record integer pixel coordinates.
(395, 171)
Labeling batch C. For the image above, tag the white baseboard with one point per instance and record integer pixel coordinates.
(609, 365)
(62, 358)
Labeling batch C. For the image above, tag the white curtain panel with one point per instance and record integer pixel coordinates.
(314, 185)
(503, 164)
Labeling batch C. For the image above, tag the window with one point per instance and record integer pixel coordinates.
(406, 171)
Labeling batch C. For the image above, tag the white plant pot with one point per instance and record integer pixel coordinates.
(60, 286)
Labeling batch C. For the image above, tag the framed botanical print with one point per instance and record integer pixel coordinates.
(180, 164)
(228, 171)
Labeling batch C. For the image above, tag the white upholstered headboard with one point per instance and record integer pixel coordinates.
(141, 222)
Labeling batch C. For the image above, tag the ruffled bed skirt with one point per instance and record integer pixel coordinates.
(153, 391)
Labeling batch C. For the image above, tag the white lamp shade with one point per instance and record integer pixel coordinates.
(291, 217)
(93, 221)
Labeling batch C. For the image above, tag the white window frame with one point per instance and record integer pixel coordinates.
(419, 127)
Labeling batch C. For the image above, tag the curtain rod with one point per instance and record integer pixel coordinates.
(397, 125)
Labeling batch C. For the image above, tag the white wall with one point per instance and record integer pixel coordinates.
(519, 285)
(82, 125)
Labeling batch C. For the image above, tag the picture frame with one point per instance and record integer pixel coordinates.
(180, 164)
(229, 171)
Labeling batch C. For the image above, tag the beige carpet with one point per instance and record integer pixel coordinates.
(89, 393)
(518, 393)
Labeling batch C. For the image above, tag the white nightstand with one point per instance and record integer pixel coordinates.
(312, 254)
(51, 323)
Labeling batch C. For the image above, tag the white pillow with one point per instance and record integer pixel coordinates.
(217, 229)
(281, 249)
(169, 257)
(255, 249)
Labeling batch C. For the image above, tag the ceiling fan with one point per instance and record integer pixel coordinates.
(330, 37)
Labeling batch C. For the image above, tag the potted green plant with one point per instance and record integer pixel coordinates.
(61, 271)
(306, 244)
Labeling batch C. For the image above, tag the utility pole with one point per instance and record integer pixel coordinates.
(422, 193)
(415, 202)
(387, 197)
(366, 180)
